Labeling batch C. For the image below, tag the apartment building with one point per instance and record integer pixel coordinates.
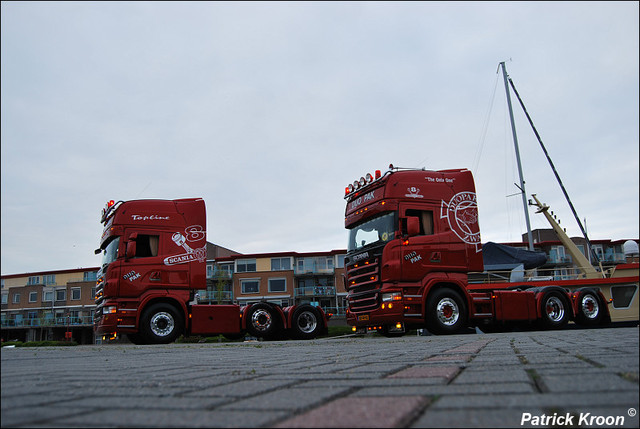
(560, 263)
(284, 278)
(49, 305)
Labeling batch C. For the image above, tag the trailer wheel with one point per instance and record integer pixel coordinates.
(261, 320)
(160, 324)
(589, 309)
(306, 323)
(554, 311)
(445, 312)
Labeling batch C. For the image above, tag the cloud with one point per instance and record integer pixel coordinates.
(268, 110)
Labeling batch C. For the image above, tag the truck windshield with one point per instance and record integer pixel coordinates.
(378, 229)
(110, 252)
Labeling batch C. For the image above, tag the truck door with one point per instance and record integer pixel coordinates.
(420, 251)
(143, 268)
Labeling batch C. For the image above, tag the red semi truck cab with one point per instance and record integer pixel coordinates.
(153, 251)
(407, 226)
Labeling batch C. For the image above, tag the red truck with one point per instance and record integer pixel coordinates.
(414, 242)
(154, 262)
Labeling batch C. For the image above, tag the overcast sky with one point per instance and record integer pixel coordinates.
(268, 110)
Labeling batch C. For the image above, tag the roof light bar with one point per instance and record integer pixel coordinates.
(362, 182)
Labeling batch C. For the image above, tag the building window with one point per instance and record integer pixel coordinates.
(210, 270)
(33, 296)
(280, 264)
(75, 293)
(223, 270)
(47, 296)
(250, 286)
(49, 279)
(5, 298)
(277, 285)
(90, 276)
(33, 280)
(245, 266)
(597, 249)
(16, 298)
(341, 261)
(61, 294)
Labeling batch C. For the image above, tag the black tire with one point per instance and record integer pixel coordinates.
(161, 324)
(306, 323)
(555, 310)
(445, 312)
(589, 309)
(262, 321)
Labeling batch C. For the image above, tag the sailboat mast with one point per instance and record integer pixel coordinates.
(515, 143)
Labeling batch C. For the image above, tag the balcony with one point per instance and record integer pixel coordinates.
(48, 322)
(319, 291)
(208, 296)
(312, 266)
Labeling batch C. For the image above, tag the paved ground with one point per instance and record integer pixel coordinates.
(573, 378)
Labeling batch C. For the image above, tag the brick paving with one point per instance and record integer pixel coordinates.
(574, 377)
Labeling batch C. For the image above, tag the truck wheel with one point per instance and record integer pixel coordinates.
(161, 324)
(554, 311)
(445, 312)
(306, 323)
(262, 320)
(589, 310)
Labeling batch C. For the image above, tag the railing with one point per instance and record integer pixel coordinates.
(568, 273)
(314, 291)
(47, 322)
(214, 295)
(313, 267)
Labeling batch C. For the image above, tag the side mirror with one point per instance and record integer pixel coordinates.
(131, 245)
(413, 226)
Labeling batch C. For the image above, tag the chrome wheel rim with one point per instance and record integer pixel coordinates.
(555, 309)
(589, 306)
(307, 322)
(447, 311)
(162, 324)
(261, 320)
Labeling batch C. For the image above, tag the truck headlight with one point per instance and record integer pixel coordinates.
(109, 309)
(393, 296)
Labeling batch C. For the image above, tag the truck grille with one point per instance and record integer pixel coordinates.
(363, 285)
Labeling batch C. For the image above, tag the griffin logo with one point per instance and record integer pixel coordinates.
(462, 214)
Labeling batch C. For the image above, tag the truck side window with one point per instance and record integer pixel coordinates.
(426, 220)
(147, 245)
